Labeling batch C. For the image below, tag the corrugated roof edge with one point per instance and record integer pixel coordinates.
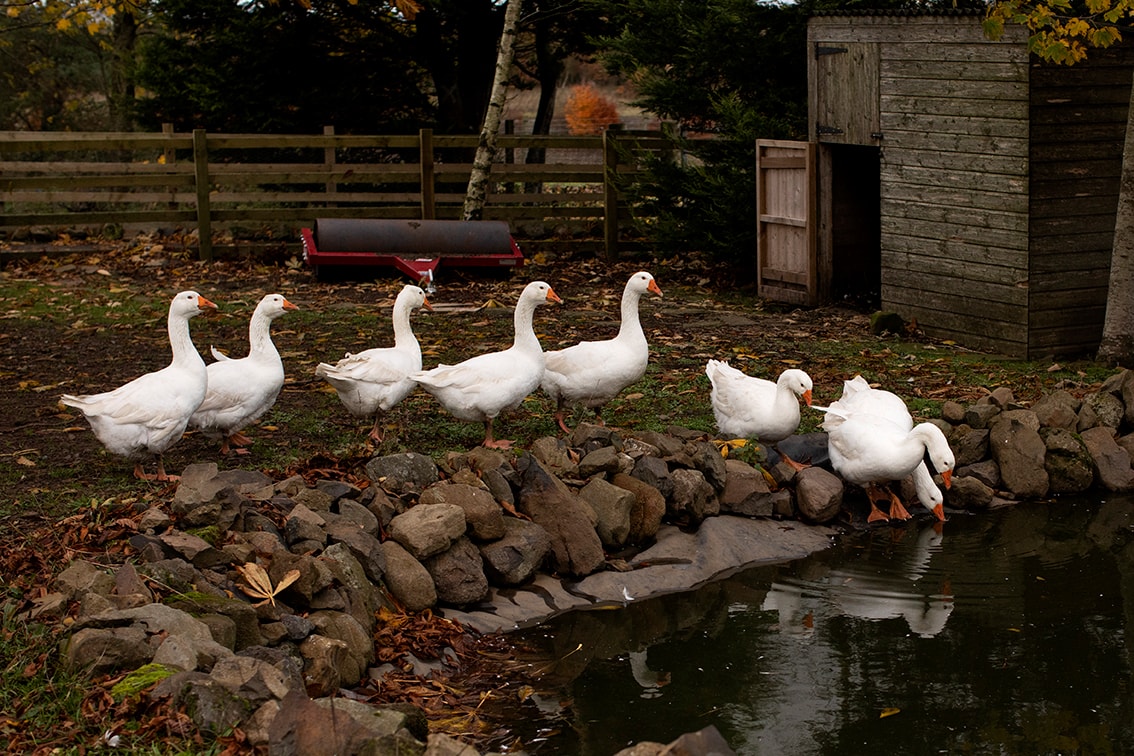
(904, 12)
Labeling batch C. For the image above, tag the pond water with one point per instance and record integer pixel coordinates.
(1006, 632)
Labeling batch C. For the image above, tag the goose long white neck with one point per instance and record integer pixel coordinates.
(259, 334)
(403, 332)
(631, 327)
(184, 352)
(525, 337)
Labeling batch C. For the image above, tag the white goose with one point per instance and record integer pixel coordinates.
(481, 387)
(242, 390)
(374, 381)
(747, 407)
(592, 373)
(872, 440)
(146, 416)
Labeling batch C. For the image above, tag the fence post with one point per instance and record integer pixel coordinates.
(168, 155)
(201, 173)
(610, 193)
(425, 147)
(329, 159)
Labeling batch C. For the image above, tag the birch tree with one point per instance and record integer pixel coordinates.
(486, 146)
(1064, 33)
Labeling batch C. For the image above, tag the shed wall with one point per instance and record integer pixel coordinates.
(1078, 117)
(954, 174)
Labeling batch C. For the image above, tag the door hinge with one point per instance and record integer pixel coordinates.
(822, 50)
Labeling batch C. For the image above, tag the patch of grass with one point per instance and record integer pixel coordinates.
(36, 691)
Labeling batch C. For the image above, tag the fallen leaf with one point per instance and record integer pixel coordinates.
(889, 711)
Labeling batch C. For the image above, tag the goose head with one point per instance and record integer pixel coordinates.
(937, 446)
(798, 382)
(274, 305)
(190, 304)
(643, 283)
(539, 292)
(412, 297)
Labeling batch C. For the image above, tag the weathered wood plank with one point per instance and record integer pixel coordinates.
(946, 70)
(1000, 298)
(988, 127)
(996, 228)
(968, 144)
(965, 261)
(908, 30)
(9, 183)
(957, 197)
(978, 91)
(968, 51)
(964, 176)
(952, 106)
(1014, 165)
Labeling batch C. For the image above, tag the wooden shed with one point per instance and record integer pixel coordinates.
(965, 184)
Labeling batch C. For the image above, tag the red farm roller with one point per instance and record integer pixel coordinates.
(415, 247)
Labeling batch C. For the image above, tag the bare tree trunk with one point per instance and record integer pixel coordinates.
(1117, 345)
(123, 65)
(486, 148)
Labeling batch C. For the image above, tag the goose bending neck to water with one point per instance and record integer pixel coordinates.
(872, 440)
(143, 418)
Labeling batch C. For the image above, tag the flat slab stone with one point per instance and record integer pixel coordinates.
(678, 562)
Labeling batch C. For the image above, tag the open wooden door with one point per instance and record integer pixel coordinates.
(785, 211)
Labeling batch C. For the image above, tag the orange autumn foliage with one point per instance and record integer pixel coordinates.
(588, 111)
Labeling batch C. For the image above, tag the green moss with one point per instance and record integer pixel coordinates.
(210, 534)
(143, 677)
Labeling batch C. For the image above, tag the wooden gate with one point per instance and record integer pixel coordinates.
(785, 213)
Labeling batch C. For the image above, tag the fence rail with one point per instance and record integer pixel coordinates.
(64, 180)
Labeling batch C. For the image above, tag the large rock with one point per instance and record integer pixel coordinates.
(402, 473)
(819, 494)
(969, 492)
(306, 727)
(428, 529)
(358, 654)
(612, 507)
(101, 650)
(515, 558)
(1106, 407)
(458, 573)
(575, 546)
(408, 580)
(693, 497)
(648, 511)
(483, 516)
(746, 491)
(1069, 465)
(1020, 453)
(1112, 462)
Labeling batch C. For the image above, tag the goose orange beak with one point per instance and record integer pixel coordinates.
(654, 288)
(288, 305)
(552, 296)
(204, 304)
(947, 477)
(426, 305)
(807, 397)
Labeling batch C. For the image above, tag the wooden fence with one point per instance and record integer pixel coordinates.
(211, 181)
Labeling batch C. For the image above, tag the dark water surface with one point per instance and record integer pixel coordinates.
(1007, 632)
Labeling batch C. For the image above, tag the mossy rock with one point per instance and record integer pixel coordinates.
(132, 685)
(885, 321)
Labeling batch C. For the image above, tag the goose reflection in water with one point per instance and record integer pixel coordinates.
(650, 680)
(874, 589)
